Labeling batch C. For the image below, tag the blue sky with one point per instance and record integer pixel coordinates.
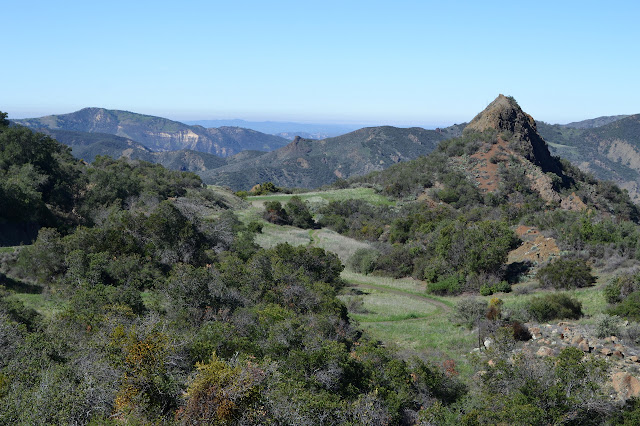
(406, 62)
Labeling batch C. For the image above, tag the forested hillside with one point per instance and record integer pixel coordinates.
(470, 194)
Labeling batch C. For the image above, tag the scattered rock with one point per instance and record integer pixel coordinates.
(606, 351)
(618, 354)
(577, 339)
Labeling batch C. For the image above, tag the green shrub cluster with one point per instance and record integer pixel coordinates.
(295, 213)
(607, 325)
(565, 274)
(501, 287)
(623, 294)
(554, 306)
(620, 287)
(363, 260)
(628, 308)
(450, 285)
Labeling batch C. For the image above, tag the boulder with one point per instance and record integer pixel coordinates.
(625, 385)
(584, 346)
(544, 351)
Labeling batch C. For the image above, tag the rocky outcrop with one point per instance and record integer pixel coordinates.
(623, 357)
(505, 115)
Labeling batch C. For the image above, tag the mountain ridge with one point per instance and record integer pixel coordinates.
(313, 163)
(157, 133)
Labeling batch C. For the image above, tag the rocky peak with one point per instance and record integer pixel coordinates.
(505, 115)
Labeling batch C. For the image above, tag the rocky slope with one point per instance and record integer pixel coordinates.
(505, 115)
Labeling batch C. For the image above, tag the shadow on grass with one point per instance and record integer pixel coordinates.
(19, 286)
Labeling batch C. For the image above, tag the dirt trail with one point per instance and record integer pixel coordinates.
(410, 295)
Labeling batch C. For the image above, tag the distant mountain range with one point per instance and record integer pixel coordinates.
(608, 147)
(158, 134)
(312, 163)
(288, 130)
(594, 122)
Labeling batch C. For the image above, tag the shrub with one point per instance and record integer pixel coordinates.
(520, 332)
(554, 306)
(265, 188)
(254, 227)
(501, 287)
(612, 291)
(469, 311)
(629, 308)
(566, 274)
(242, 194)
(299, 214)
(398, 262)
(486, 290)
(607, 325)
(494, 312)
(363, 260)
(620, 287)
(274, 213)
(449, 285)
(631, 333)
